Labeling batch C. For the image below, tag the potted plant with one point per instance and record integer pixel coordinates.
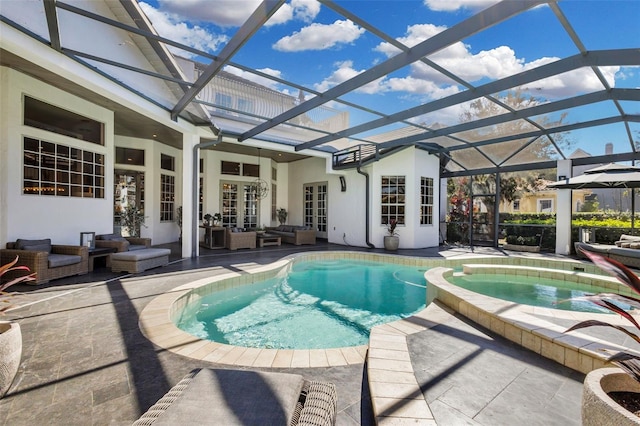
(10, 334)
(217, 218)
(261, 229)
(179, 221)
(612, 395)
(282, 215)
(207, 219)
(391, 240)
(132, 219)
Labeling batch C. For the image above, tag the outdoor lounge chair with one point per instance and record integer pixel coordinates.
(48, 261)
(241, 397)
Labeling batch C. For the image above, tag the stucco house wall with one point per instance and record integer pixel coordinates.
(60, 218)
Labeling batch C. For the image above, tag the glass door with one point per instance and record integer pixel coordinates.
(229, 205)
(128, 194)
(483, 220)
(315, 207)
(240, 206)
(250, 217)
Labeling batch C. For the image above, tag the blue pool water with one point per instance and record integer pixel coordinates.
(321, 304)
(533, 291)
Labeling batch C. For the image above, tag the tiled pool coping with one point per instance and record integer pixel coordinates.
(157, 325)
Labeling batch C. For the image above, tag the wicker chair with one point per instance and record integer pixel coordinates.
(236, 240)
(122, 244)
(57, 261)
(240, 397)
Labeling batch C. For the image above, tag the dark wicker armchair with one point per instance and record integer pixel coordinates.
(49, 261)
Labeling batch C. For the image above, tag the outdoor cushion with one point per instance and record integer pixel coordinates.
(236, 397)
(34, 245)
(56, 260)
(111, 237)
(138, 255)
(133, 247)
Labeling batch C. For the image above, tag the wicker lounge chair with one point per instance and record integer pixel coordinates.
(122, 244)
(239, 397)
(239, 240)
(49, 261)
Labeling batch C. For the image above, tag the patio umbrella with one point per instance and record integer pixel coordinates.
(607, 176)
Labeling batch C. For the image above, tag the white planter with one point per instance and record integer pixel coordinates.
(10, 353)
(391, 243)
(597, 407)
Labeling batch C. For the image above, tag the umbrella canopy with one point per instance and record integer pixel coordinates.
(607, 176)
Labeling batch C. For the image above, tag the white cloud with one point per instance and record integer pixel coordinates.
(263, 81)
(492, 64)
(233, 13)
(225, 13)
(320, 37)
(415, 34)
(344, 72)
(453, 5)
(582, 80)
(305, 10)
(171, 27)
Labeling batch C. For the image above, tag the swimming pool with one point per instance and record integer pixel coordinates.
(532, 290)
(315, 304)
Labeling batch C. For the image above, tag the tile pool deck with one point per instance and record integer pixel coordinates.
(86, 361)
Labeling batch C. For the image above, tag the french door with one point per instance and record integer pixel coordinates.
(128, 192)
(315, 207)
(239, 205)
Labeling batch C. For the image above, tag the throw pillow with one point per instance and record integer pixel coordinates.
(34, 245)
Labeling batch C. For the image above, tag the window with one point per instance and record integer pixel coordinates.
(545, 206)
(252, 170)
(167, 197)
(516, 205)
(426, 201)
(41, 115)
(245, 105)
(131, 156)
(223, 100)
(274, 199)
(392, 199)
(62, 171)
(230, 168)
(167, 162)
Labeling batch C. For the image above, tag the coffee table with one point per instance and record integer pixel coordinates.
(99, 252)
(267, 240)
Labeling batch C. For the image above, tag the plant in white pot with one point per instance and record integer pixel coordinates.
(391, 240)
(10, 335)
(612, 395)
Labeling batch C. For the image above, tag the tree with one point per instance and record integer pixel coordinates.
(536, 150)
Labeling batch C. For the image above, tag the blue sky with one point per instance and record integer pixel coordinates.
(309, 44)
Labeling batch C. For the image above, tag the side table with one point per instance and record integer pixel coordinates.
(99, 252)
(268, 240)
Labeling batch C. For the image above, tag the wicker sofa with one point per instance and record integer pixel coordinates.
(294, 234)
(249, 398)
(49, 261)
(121, 243)
(238, 239)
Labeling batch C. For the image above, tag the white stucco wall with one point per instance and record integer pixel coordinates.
(413, 164)
(36, 216)
(345, 224)
(159, 232)
(213, 177)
